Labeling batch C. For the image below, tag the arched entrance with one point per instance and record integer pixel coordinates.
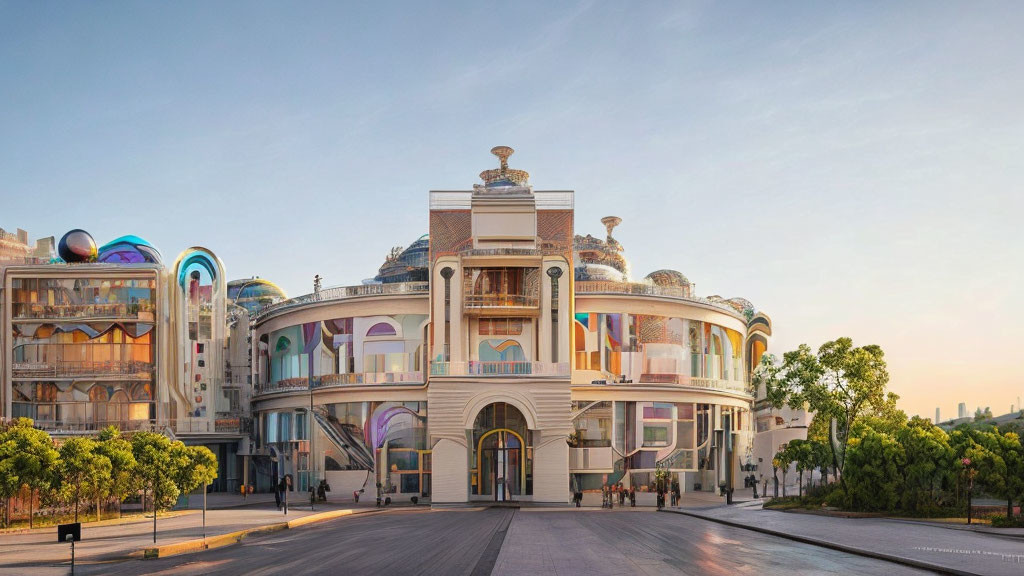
(502, 454)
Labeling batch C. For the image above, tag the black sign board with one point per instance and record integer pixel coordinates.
(74, 528)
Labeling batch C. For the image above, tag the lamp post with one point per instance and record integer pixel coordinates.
(970, 472)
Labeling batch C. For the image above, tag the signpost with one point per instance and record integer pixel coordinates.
(70, 533)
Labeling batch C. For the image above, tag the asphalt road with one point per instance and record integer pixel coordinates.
(503, 542)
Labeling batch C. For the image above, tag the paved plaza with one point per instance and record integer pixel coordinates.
(481, 541)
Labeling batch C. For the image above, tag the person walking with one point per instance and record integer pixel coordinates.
(632, 497)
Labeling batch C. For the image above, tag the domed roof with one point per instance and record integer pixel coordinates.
(589, 271)
(254, 293)
(129, 249)
(408, 265)
(666, 277)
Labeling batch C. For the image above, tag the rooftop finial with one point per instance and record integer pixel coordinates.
(610, 222)
(504, 176)
(503, 152)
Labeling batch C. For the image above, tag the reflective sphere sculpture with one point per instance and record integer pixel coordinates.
(77, 246)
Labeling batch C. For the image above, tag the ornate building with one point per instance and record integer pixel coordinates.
(504, 357)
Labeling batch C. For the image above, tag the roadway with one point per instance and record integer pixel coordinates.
(505, 542)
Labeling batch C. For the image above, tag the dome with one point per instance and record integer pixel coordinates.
(742, 305)
(77, 246)
(254, 293)
(129, 250)
(590, 272)
(667, 278)
(408, 265)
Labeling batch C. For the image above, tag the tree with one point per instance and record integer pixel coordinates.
(873, 478)
(83, 471)
(840, 382)
(1009, 448)
(801, 452)
(123, 480)
(152, 452)
(930, 463)
(27, 458)
(783, 458)
(195, 466)
(978, 448)
(822, 459)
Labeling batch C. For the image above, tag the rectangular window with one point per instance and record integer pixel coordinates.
(655, 435)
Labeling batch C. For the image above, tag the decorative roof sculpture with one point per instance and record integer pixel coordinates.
(598, 259)
(504, 176)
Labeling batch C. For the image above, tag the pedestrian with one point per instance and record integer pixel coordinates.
(277, 494)
(632, 497)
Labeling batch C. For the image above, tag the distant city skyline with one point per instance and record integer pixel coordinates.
(853, 170)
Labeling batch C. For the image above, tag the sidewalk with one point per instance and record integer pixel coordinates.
(108, 542)
(920, 544)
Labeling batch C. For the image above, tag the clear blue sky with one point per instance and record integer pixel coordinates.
(851, 168)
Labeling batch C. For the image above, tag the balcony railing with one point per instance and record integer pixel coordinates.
(341, 380)
(26, 311)
(480, 368)
(365, 378)
(500, 300)
(734, 386)
(130, 370)
(640, 289)
(345, 292)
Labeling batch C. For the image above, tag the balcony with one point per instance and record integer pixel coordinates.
(478, 368)
(501, 304)
(367, 378)
(641, 289)
(342, 380)
(501, 291)
(680, 380)
(106, 371)
(78, 312)
(79, 416)
(344, 293)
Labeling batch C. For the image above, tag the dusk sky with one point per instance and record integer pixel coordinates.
(852, 169)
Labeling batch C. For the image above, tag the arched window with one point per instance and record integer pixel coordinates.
(381, 329)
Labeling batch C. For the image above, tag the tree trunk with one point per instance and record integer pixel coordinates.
(783, 483)
(1009, 508)
(31, 500)
(97, 509)
(800, 490)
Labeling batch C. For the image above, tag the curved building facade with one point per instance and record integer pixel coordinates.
(503, 357)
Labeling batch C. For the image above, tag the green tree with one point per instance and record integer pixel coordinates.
(930, 464)
(981, 449)
(154, 468)
(118, 450)
(195, 466)
(822, 456)
(873, 477)
(783, 458)
(841, 382)
(801, 452)
(83, 472)
(27, 458)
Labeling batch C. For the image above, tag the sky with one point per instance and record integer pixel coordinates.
(853, 169)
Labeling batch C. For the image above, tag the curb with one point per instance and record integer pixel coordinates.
(833, 546)
(230, 538)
